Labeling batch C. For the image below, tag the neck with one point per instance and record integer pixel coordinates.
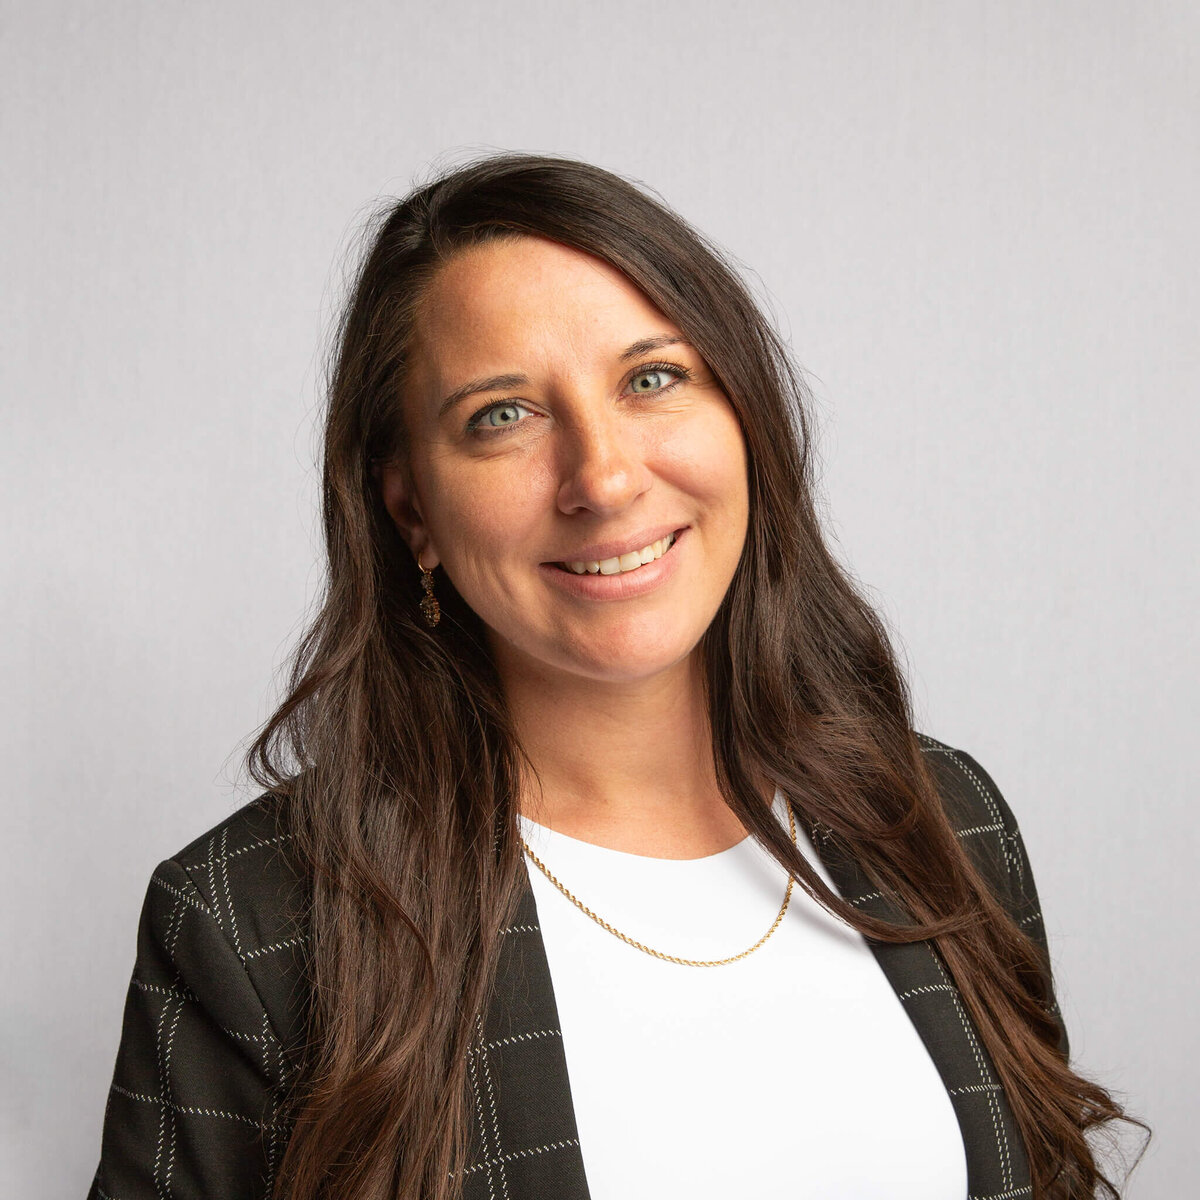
(627, 765)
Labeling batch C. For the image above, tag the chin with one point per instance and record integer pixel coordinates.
(627, 660)
(625, 654)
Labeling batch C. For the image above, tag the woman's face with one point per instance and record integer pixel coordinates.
(556, 417)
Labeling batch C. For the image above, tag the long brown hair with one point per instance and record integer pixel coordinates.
(399, 764)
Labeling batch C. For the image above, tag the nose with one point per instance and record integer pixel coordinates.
(602, 465)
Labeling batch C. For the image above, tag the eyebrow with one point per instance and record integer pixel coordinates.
(498, 383)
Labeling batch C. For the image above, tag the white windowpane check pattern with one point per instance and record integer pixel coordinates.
(214, 1022)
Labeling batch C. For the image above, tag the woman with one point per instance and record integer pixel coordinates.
(599, 855)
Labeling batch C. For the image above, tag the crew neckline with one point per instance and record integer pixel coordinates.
(547, 836)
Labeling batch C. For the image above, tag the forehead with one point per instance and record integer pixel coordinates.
(524, 302)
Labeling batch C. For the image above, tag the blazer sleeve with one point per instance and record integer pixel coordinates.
(1021, 890)
(192, 1109)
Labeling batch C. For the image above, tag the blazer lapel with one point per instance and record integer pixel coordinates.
(526, 1145)
(997, 1167)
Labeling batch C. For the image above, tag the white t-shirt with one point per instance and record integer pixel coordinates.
(793, 1073)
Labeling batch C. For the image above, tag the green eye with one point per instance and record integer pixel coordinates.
(502, 414)
(496, 416)
(649, 381)
(658, 378)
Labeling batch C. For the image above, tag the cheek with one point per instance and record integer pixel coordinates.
(482, 515)
(709, 462)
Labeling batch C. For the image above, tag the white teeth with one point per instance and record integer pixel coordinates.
(625, 562)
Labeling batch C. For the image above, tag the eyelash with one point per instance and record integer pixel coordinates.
(682, 376)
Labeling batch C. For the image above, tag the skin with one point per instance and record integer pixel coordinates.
(605, 694)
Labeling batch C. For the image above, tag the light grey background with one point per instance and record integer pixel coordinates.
(977, 224)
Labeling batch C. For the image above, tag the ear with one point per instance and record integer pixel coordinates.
(400, 500)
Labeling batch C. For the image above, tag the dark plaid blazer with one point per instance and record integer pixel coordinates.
(214, 1023)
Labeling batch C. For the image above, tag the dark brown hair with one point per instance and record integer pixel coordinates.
(400, 765)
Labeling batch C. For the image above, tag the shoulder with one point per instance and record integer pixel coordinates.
(241, 879)
(245, 870)
(214, 1017)
(983, 821)
(977, 811)
(249, 852)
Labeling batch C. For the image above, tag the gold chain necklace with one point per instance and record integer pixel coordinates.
(684, 962)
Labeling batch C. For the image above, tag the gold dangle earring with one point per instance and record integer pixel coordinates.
(430, 609)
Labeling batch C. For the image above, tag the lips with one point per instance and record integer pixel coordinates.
(636, 580)
(633, 543)
(623, 563)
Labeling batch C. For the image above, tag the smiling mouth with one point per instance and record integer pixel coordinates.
(632, 561)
